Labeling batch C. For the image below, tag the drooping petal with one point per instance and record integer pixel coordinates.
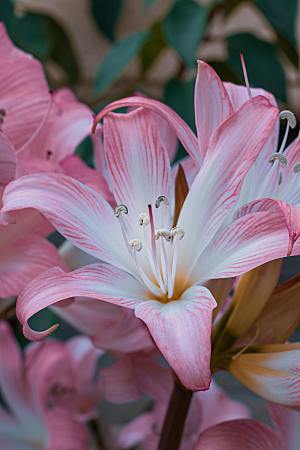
(239, 434)
(136, 431)
(138, 163)
(216, 187)
(75, 210)
(212, 105)
(23, 259)
(273, 373)
(184, 133)
(25, 99)
(96, 281)
(181, 330)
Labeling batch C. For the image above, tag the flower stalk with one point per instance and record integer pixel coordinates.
(175, 418)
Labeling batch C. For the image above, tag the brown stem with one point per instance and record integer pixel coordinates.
(175, 417)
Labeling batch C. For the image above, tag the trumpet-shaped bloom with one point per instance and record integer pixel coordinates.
(254, 435)
(47, 394)
(275, 173)
(151, 265)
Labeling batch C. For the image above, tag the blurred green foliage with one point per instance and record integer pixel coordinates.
(183, 29)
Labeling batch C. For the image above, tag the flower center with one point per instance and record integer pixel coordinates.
(155, 252)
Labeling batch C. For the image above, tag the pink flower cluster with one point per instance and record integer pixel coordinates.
(152, 252)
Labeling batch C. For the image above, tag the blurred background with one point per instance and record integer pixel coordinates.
(107, 49)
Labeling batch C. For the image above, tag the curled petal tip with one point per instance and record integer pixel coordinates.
(33, 335)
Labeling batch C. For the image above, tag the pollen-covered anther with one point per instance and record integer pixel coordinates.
(278, 157)
(289, 116)
(143, 219)
(120, 209)
(164, 233)
(135, 244)
(296, 167)
(177, 231)
(161, 199)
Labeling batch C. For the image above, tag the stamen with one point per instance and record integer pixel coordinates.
(164, 233)
(278, 157)
(49, 154)
(135, 244)
(291, 123)
(296, 167)
(245, 74)
(120, 209)
(143, 219)
(289, 116)
(161, 199)
(177, 231)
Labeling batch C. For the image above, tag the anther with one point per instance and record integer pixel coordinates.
(164, 233)
(135, 244)
(120, 209)
(296, 167)
(289, 116)
(161, 199)
(143, 219)
(278, 157)
(48, 154)
(177, 231)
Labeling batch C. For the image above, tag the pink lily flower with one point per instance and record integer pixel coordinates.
(274, 174)
(156, 269)
(49, 393)
(254, 435)
(40, 131)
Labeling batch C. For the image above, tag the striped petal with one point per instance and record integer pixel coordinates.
(96, 281)
(184, 133)
(212, 105)
(78, 212)
(182, 332)
(273, 373)
(217, 186)
(239, 434)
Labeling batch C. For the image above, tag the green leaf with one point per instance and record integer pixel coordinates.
(7, 13)
(85, 151)
(152, 47)
(263, 65)
(179, 95)
(117, 58)
(106, 14)
(184, 28)
(281, 15)
(62, 51)
(31, 32)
